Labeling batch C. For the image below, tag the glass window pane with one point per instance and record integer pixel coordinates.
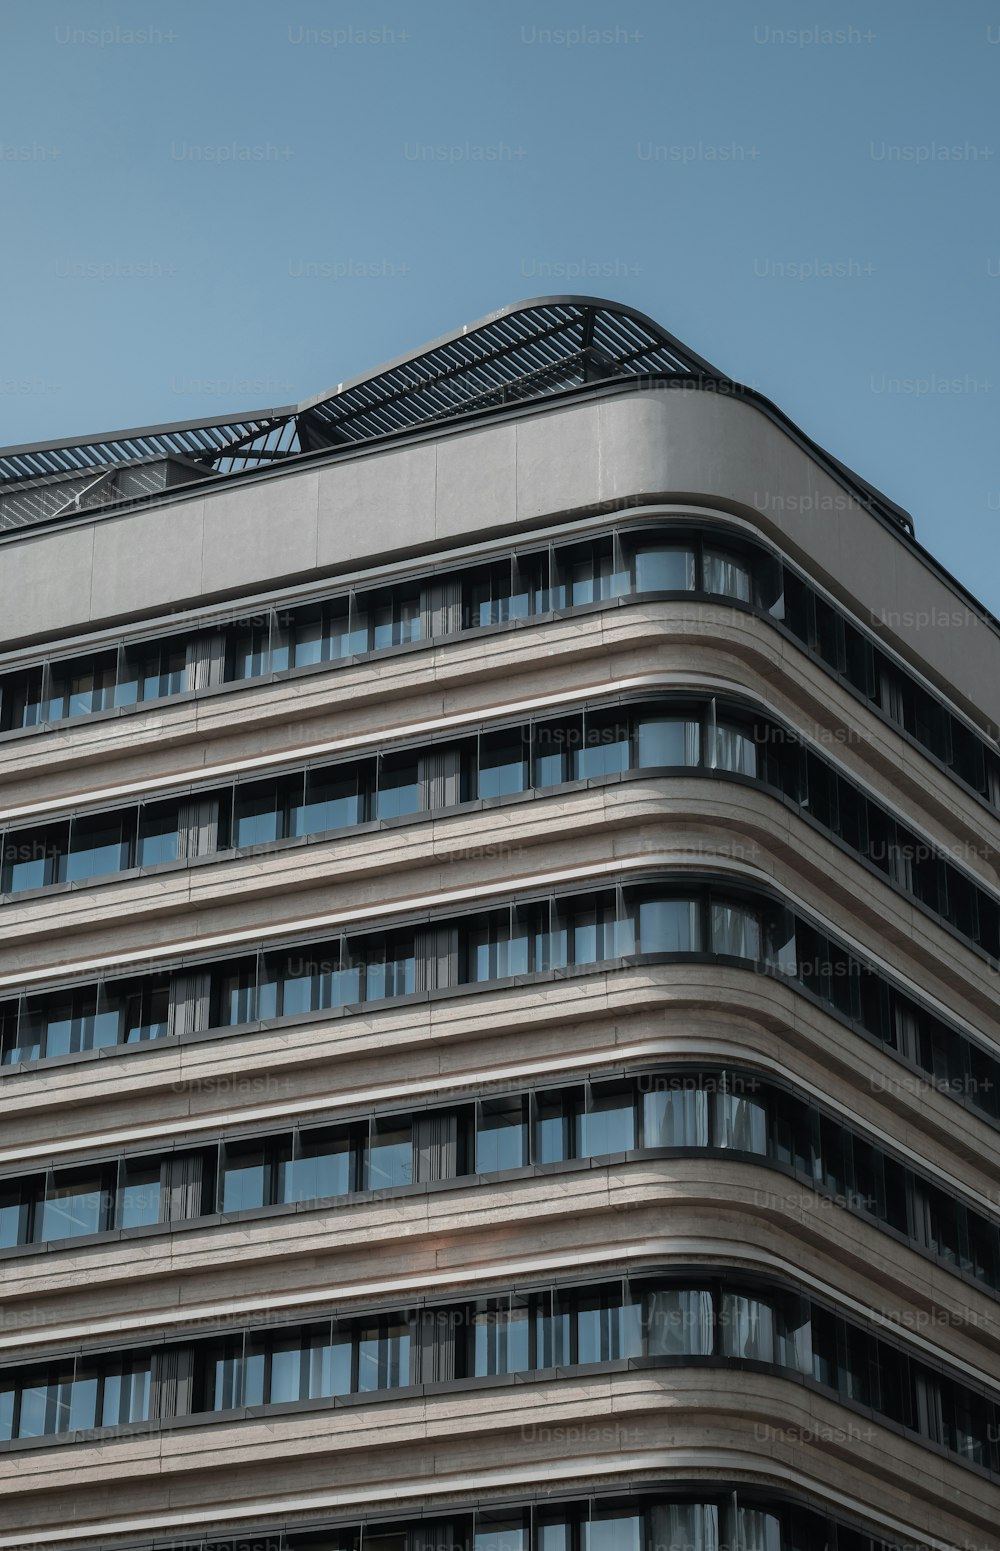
(739, 1122)
(606, 751)
(245, 1181)
(500, 1339)
(6, 1415)
(157, 835)
(494, 1533)
(323, 1170)
(139, 1199)
(668, 740)
(332, 801)
(608, 1331)
(735, 931)
(747, 1327)
(553, 1127)
(502, 1137)
(686, 1527)
(257, 816)
(13, 1220)
(679, 1323)
(607, 1127)
(664, 568)
(383, 1357)
(669, 926)
(613, 1532)
(398, 788)
(734, 749)
(675, 1116)
(390, 1155)
(70, 1211)
(727, 575)
(95, 848)
(503, 765)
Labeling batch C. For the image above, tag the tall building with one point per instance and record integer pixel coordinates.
(498, 983)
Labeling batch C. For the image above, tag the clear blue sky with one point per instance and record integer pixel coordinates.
(214, 205)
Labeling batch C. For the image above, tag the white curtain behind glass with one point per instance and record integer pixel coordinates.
(747, 1328)
(676, 1118)
(679, 1323)
(684, 1527)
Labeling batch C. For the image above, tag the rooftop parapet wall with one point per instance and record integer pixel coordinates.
(613, 448)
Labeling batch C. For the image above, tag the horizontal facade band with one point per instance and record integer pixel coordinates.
(571, 1329)
(592, 742)
(732, 1114)
(214, 998)
(605, 571)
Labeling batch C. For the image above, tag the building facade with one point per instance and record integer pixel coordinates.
(499, 1036)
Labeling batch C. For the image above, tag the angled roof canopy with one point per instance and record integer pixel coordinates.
(522, 353)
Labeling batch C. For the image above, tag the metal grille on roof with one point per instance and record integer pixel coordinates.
(519, 354)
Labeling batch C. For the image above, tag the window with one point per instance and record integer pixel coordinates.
(612, 1530)
(608, 1329)
(754, 1529)
(604, 750)
(492, 596)
(664, 568)
(608, 1124)
(390, 969)
(500, 1532)
(138, 1198)
(500, 1336)
(594, 571)
(675, 1116)
(248, 649)
(333, 799)
(97, 846)
(83, 687)
(328, 632)
(735, 931)
(32, 858)
(733, 749)
(600, 932)
(126, 1393)
(503, 763)
(72, 1021)
(322, 1166)
(501, 1136)
(679, 1323)
(739, 1121)
(747, 1327)
(727, 575)
(317, 976)
(383, 1356)
(236, 1376)
(667, 741)
(669, 926)
(389, 1159)
(395, 616)
(555, 1124)
(553, 745)
(498, 947)
(267, 811)
(398, 786)
(58, 1404)
(142, 1007)
(15, 1210)
(21, 702)
(309, 1368)
(153, 669)
(158, 838)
